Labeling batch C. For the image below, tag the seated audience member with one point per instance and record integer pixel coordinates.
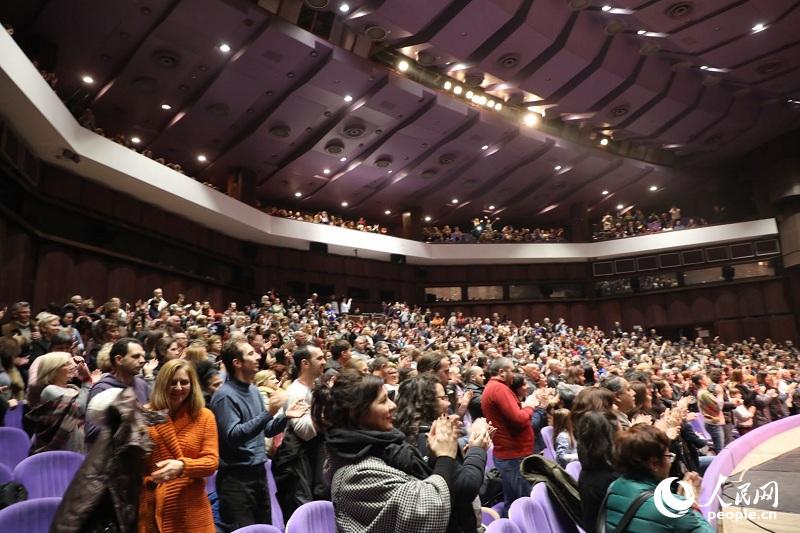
(58, 419)
(642, 456)
(173, 496)
(210, 379)
(563, 438)
(12, 388)
(380, 482)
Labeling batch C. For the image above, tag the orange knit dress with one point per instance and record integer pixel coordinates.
(181, 505)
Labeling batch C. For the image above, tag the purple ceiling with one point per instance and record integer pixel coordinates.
(275, 104)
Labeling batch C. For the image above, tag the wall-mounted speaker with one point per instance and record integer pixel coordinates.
(728, 272)
(398, 259)
(318, 247)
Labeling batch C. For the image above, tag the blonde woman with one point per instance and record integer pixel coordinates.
(185, 452)
(271, 393)
(58, 419)
(196, 352)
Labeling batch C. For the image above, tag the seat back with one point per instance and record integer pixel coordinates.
(490, 458)
(274, 504)
(316, 516)
(13, 417)
(48, 474)
(574, 469)
(211, 483)
(549, 451)
(5, 474)
(258, 528)
(14, 445)
(30, 516)
(557, 519)
(527, 517)
(699, 427)
(503, 525)
(488, 515)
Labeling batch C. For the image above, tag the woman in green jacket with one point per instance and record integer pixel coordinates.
(642, 456)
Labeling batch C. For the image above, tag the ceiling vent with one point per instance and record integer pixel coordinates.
(614, 27)
(679, 10)
(218, 110)
(383, 161)
(166, 58)
(317, 4)
(620, 110)
(508, 61)
(428, 174)
(426, 59)
(447, 159)
(355, 130)
(473, 80)
(376, 33)
(334, 147)
(145, 84)
(280, 131)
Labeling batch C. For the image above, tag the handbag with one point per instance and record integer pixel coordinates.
(600, 526)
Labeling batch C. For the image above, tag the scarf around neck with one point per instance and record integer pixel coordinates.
(348, 446)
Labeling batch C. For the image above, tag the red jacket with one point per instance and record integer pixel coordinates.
(514, 436)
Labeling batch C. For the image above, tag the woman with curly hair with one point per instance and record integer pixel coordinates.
(421, 401)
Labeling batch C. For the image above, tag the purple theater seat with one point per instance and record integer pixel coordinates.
(526, 516)
(258, 528)
(316, 516)
(574, 469)
(13, 418)
(48, 474)
(14, 445)
(211, 483)
(5, 474)
(699, 426)
(30, 516)
(557, 520)
(274, 505)
(503, 525)
(547, 436)
(488, 515)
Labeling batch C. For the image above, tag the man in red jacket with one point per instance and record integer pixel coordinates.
(513, 440)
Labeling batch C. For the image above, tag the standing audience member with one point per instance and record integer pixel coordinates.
(242, 424)
(173, 496)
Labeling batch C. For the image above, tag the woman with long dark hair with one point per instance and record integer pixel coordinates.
(381, 483)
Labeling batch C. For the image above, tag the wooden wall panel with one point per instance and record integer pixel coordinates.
(128, 210)
(17, 276)
(678, 312)
(726, 303)
(702, 307)
(783, 327)
(729, 330)
(62, 185)
(633, 313)
(751, 300)
(122, 283)
(54, 276)
(775, 297)
(91, 275)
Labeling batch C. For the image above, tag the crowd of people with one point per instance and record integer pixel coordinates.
(634, 222)
(483, 231)
(322, 217)
(390, 418)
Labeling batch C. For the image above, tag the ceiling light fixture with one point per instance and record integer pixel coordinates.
(604, 193)
(490, 103)
(345, 204)
(606, 8)
(498, 106)
(485, 147)
(491, 207)
(202, 158)
(344, 7)
(224, 48)
(653, 188)
(620, 207)
(403, 65)
(557, 167)
(427, 219)
(448, 85)
(135, 140)
(326, 171)
(759, 27)
(457, 89)
(387, 212)
(704, 67)
(530, 119)
(454, 201)
(641, 32)
(791, 101)
(88, 80)
(298, 194)
(342, 159)
(166, 107)
(348, 98)
(469, 95)
(604, 142)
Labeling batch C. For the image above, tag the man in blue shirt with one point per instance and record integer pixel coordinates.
(242, 424)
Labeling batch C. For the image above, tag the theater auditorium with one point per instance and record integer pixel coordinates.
(389, 266)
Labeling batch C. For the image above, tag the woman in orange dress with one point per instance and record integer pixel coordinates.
(173, 497)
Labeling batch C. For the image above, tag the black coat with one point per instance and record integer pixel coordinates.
(298, 472)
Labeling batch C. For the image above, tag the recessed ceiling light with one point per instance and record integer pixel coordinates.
(790, 101)
(326, 171)
(387, 212)
(345, 204)
(469, 95)
(603, 142)
(759, 27)
(389, 172)
(166, 107)
(641, 32)
(202, 158)
(135, 140)
(224, 48)
(454, 201)
(448, 85)
(704, 67)
(654, 188)
(498, 106)
(557, 167)
(485, 147)
(344, 7)
(427, 219)
(342, 159)
(298, 194)
(530, 119)
(604, 193)
(457, 89)
(348, 98)
(620, 206)
(606, 7)
(403, 65)
(491, 207)
(88, 80)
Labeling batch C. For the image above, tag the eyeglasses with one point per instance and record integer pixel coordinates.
(671, 456)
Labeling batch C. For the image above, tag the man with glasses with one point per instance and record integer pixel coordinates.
(513, 440)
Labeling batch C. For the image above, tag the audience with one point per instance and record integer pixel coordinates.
(634, 222)
(322, 217)
(484, 232)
